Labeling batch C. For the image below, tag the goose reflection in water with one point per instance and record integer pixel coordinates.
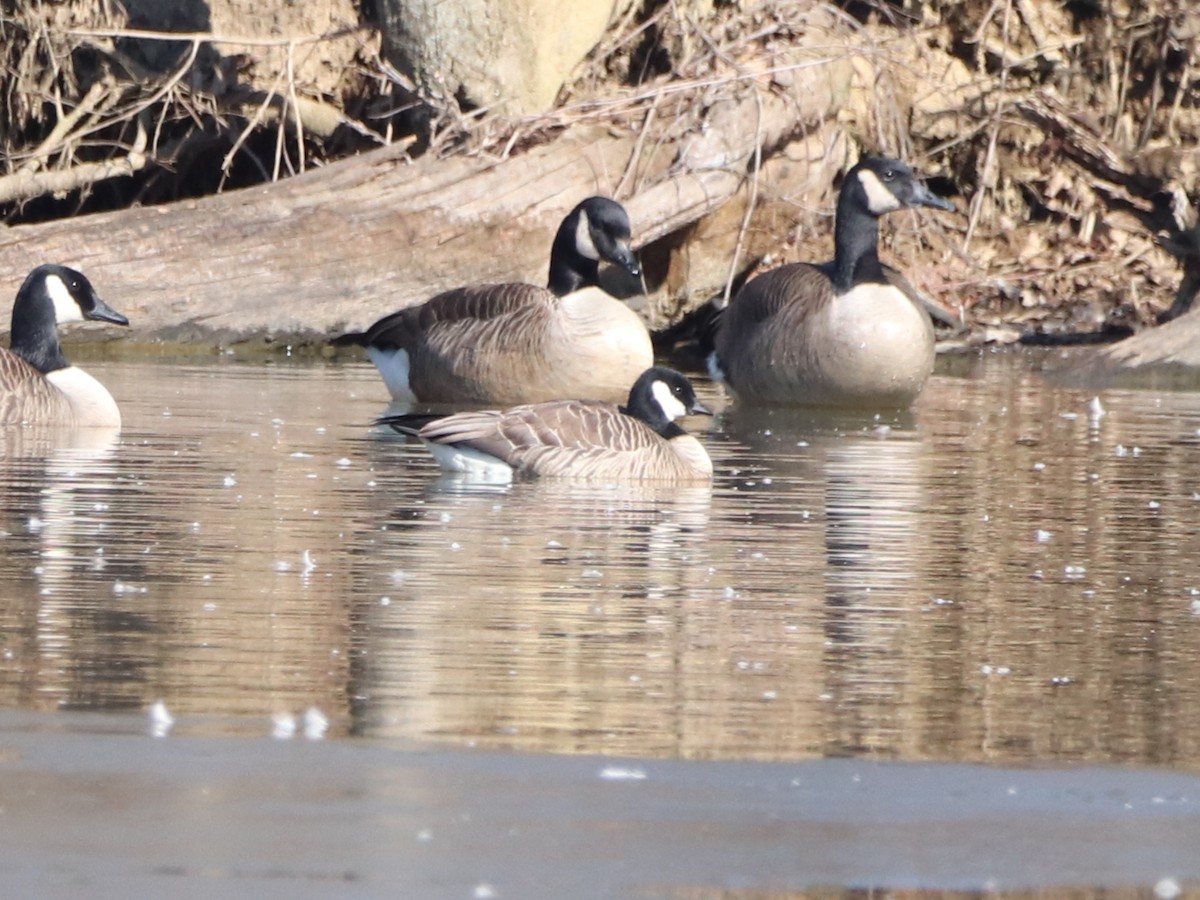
(866, 479)
(57, 517)
(529, 601)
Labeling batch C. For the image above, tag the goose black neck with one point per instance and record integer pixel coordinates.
(856, 243)
(35, 332)
(570, 270)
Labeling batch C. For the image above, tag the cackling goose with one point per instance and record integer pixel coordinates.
(582, 439)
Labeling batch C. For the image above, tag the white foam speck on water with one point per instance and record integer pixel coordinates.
(35, 524)
(283, 726)
(622, 773)
(399, 576)
(316, 723)
(300, 454)
(308, 563)
(343, 463)
(424, 836)
(1167, 889)
(1042, 536)
(161, 719)
(229, 481)
(484, 891)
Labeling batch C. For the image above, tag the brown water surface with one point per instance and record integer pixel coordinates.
(1006, 575)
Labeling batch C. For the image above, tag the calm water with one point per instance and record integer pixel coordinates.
(1007, 576)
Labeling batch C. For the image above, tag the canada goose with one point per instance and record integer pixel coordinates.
(38, 386)
(519, 343)
(841, 333)
(584, 439)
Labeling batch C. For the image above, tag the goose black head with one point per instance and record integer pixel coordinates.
(597, 229)
(874, 187)
(879, 185)
(50, 296)
(662, 395)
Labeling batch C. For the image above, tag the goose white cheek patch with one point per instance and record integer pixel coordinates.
(583, 240)
(65, 307)
(880, 200)
(668, 402)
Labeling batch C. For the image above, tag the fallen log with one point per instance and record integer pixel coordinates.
(337, 247)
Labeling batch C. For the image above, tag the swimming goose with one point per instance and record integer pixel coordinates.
(519, 343)
(38, 386)
(841, 333)
(583, 439)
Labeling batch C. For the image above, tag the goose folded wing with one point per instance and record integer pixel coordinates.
(26, 396)
(457, 309)
(798, 284)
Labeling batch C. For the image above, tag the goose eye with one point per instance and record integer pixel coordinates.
(889, 175)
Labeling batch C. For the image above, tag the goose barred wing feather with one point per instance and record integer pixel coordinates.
(26, 397)
(797, 287)
(457, 311)
(759, 329)
(569, 438)
(482, 301)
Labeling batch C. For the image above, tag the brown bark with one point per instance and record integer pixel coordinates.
(337, 247)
